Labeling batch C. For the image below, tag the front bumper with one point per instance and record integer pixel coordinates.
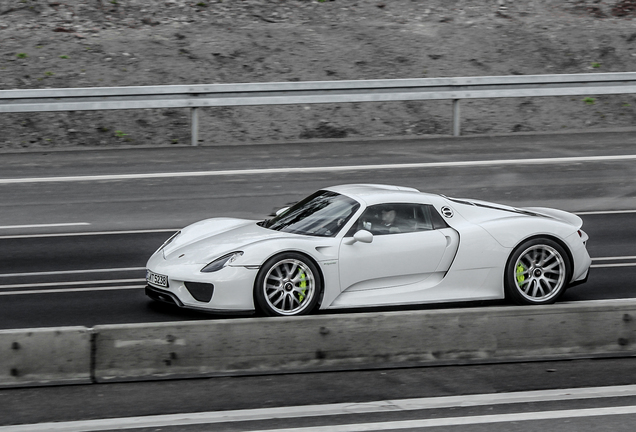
(162, 296)
(229, 289)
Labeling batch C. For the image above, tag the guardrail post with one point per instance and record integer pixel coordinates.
(195, 126)
(456, 118)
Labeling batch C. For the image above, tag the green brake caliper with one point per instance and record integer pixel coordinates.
(521, 269)
(303, 286)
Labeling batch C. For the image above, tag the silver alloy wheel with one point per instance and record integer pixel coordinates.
(540, 273)
(289, 287)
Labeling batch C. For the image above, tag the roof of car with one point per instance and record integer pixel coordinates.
(374, 193)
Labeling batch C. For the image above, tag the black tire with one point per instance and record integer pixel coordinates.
(537, 272)
(288, 284)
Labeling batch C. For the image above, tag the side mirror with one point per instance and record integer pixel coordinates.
(281, 211)
(362, 236)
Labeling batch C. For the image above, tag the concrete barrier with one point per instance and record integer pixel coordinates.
(364, 340)
(45, 356)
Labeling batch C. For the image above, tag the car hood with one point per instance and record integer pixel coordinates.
(203, 242)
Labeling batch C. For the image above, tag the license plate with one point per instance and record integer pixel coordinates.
(156, 279)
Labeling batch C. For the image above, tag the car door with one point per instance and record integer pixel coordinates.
(405, 249)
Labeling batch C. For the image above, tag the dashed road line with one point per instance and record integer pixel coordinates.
(89, 233)
(604, 212)
(72, 290)
(50, 225)
(70, 272)
(74, 283)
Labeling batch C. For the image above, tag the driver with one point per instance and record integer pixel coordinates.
(388, 220)
(388, 217)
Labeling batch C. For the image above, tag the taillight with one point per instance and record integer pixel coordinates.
(580, 233)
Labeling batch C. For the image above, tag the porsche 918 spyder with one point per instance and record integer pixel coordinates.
(359, 246)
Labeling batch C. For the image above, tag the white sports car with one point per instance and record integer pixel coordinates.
(357, 246)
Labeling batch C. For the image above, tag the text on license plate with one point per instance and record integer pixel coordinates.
(157, 279)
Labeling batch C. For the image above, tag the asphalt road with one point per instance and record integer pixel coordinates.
(58, 220)
(68, 287)
(76, 228)
(189, 184)
(568, 396)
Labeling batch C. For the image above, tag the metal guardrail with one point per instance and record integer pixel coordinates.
(312, 92)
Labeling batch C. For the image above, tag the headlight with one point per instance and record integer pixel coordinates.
(219, 263)
(167, 242)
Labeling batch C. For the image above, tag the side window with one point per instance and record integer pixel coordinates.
(397, 218)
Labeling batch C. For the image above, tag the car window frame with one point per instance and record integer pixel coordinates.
(435, 219)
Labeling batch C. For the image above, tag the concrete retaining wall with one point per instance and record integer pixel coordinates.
(324, 342)
(45, 356)
(351, 341)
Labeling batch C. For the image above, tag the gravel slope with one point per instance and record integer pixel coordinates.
(87, 43)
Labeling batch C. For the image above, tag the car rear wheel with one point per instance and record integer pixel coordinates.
(537, 272)
(288, 284)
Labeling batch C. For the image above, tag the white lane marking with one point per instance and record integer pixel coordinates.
(89, 233)
(460, 421)
(605, 212)
(53, 225)
(323, 169)
(630, 300)
(71, 290)
(610, 265)
(75, 283)
(183, 419)
(131, 269)
(162, 230)
(613, 265)
(618, 258)
(69, 272)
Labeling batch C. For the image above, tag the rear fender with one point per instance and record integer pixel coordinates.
(561, 215)
(512, 231)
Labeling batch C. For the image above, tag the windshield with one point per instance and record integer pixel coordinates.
(322, 214)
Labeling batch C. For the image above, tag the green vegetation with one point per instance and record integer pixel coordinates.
(201, 4)
(589, 100)
(120, 134)
(596, 65)
(21, 55)
(63, 56)
(49, 73)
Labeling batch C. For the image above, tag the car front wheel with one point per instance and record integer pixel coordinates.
(537, 272)
(288, 284)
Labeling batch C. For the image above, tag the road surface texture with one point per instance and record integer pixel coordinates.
(77, 228)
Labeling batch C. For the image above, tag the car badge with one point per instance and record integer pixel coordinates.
(447, 212)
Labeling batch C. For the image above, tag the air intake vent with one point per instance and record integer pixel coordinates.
(200, 291)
